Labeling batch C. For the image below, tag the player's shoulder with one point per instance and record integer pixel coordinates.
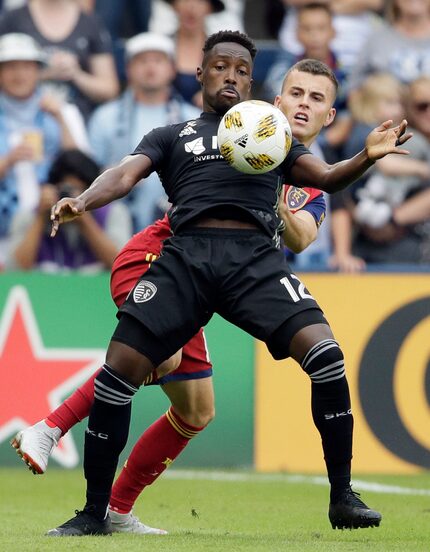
(177, 130)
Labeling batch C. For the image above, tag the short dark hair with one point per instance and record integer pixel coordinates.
(76, 163)
(315, 67)
(230, 36)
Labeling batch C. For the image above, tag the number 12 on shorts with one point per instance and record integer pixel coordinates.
(301, 291)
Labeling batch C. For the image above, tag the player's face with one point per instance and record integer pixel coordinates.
(307, 101)
(225, 76)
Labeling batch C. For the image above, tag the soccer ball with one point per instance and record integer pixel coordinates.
(254, 137)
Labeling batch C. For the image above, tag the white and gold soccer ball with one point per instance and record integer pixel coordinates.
(254, 137)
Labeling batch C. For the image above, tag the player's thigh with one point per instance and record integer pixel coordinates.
(195, 362)
(306, 338)
(191, 362)
(192, 399)
(266, 293)
(168, 301)
(169, 365)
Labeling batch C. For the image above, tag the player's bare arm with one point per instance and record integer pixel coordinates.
(300, 228)
(383, 140)
(112, 184)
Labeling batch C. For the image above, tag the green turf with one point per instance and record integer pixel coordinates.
(212, 515)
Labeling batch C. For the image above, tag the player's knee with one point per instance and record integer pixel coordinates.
(324, 362)
(199, 416)
(170, 364)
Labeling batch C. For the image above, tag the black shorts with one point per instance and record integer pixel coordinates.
(239, 274)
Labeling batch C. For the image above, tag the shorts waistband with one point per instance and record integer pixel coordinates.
(220, 232)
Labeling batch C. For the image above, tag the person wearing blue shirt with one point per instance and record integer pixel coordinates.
(148, 102)
(31, 130)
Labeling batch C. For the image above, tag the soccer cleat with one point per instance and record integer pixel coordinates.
(350, 512)
(84, 523)
(128, 523)
(35, 445)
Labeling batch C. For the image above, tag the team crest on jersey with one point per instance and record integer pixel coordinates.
(196, 146)
(296, 198)
(144, 291)
(188, 129)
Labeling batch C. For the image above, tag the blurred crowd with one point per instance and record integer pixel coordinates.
(81, 81)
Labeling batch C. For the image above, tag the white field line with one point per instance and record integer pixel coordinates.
(245, 477)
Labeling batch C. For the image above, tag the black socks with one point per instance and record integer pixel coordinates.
(106, 436)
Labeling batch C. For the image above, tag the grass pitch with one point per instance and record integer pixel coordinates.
(234, 511)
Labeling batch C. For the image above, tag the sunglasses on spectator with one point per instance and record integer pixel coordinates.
(421, 106)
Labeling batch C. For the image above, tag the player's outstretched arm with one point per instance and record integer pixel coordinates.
(383, 140)
(300, 228)
(112, 184)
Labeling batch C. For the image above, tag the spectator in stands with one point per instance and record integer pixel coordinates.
(353, 21)
(88, 244)
(364, 223)
(32, 130)
(122, 18)
(80, 62)
(148, 101)
(401, 46)
(418, 105)
(111, 12)
(189, 39)
(165, 21)
(315, 33)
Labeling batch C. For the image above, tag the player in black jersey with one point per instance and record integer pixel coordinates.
(222, 258)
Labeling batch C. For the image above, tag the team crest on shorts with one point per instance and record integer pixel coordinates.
(144, 291)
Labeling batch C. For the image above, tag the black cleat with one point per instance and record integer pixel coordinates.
(350, 512)
(84, 523)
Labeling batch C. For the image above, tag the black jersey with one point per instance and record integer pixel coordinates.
(198, 180)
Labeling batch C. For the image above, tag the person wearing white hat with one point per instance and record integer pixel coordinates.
(148, 101)
(32, 130)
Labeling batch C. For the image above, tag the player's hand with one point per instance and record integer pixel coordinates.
(283, 210)
(386, 139)
(65, 210)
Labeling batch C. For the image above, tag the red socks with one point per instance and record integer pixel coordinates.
(75, 408)
(156, 449)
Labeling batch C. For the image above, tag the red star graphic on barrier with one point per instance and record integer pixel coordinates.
(33, 379)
